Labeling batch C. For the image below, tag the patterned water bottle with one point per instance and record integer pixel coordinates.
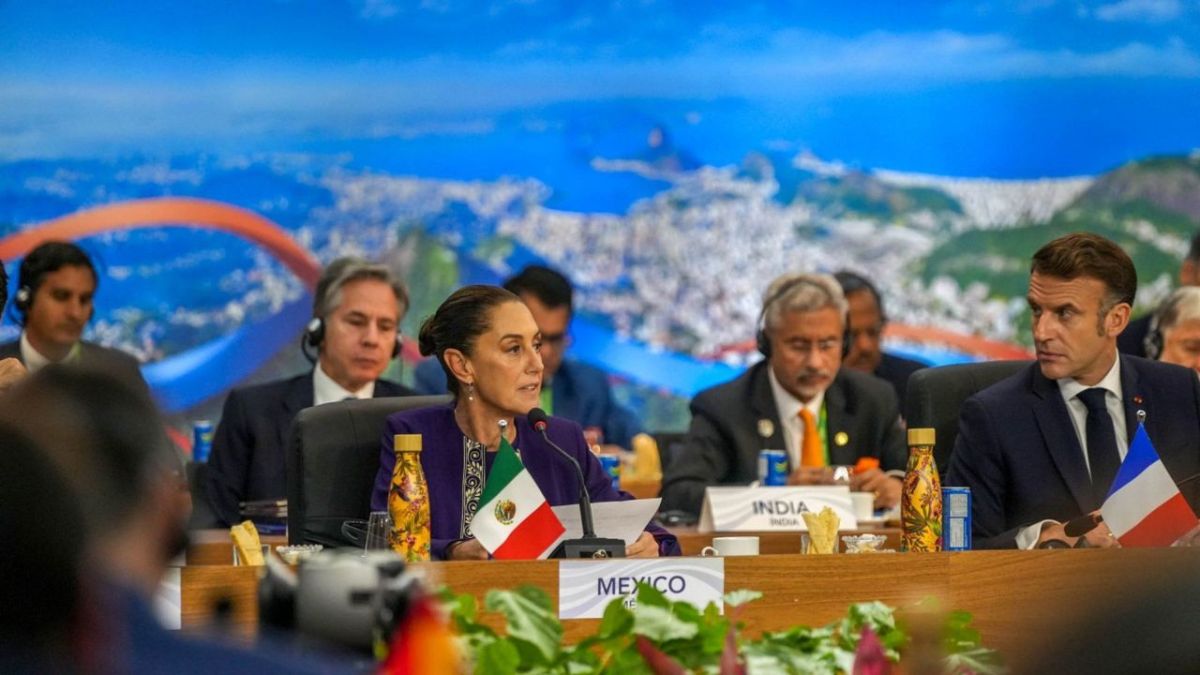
(408, 501)
(921, 501)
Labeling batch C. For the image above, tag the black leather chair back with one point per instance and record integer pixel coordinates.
(670, 446)
(332, 460)
(202, 517)
(935, 396)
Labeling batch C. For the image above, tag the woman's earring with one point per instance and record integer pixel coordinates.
(470, 392)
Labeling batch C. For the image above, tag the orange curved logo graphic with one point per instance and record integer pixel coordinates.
(177, 211)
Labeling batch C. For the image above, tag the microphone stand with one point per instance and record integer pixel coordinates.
(589, 545)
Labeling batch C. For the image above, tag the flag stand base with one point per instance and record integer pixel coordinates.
(589, 547)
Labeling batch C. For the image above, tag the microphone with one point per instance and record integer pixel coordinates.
(1077, 527)
(589, 545)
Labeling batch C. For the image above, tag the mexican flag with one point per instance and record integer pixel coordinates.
(514, 520)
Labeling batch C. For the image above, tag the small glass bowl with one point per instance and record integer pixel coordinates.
(294, 555)
(864, 543)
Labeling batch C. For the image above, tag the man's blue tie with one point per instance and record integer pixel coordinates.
(1103, 458)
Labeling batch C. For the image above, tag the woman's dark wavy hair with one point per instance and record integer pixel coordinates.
(459, 322)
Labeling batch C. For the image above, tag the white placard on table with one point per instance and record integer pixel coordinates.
(753, 509)
(585, 587)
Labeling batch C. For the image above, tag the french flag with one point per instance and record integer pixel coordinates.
(1144, 506)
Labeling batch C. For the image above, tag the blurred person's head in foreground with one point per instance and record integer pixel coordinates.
(1146, 627)
(1174, 335)
(41, 526)
(105, 437)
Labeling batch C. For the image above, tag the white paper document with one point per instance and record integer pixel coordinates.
(613, 520)
(168, 600)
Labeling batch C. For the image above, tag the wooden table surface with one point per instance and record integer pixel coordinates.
(692, 541)
(1015, 596)
(212, 547)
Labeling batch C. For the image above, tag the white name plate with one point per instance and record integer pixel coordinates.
(754, 509)
(585, 587)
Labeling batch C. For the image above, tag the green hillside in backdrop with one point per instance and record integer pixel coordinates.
(862, 195)
(1138, 205)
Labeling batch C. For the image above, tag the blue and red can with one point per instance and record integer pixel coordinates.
(956, 519)
(612, 466)
(202, 435)
(772, 467)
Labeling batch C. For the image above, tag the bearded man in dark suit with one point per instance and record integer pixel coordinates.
(357, 311)
(1043, 446)
(798, 399)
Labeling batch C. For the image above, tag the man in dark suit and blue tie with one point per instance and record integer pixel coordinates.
(355, 331)
(1043, 446)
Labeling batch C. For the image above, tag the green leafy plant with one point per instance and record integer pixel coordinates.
(662, 636)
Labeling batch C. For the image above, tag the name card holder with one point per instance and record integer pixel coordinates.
(765, 509)
(586, 587)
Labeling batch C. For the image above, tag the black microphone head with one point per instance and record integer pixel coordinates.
(1077, 527)
(1053, 543)
(538, 418)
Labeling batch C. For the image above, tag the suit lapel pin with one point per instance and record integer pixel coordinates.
(1137, 399)
(841, 438)
(766, 428)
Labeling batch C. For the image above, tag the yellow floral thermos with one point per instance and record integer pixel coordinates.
(921, 501)
(408, 501)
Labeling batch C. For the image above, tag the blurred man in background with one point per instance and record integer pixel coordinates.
(11, 368)
(1174, 332)
(867, 320)
(56, 287)
(1133, 339)
(570, 388)
(355, 331)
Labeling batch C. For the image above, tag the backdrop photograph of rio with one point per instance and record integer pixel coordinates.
(670, 159)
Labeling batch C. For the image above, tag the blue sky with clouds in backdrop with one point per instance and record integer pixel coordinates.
(130, 72)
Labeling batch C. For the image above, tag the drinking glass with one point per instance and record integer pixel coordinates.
(379, 526)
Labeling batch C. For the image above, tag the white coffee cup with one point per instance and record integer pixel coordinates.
(864, 505)
(731, 546)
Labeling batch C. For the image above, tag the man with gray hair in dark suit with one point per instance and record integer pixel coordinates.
(355, 331)
(799, 399)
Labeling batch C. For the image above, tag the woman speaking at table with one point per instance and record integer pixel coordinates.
(488, 343)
